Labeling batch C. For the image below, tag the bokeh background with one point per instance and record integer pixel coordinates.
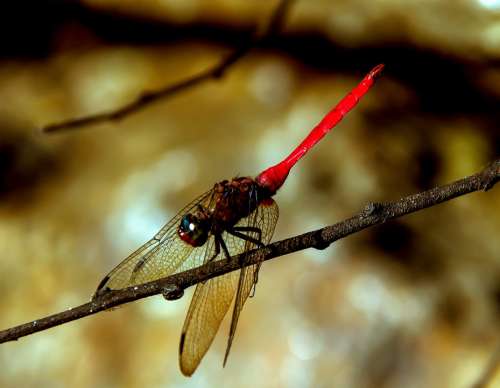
(411, 303)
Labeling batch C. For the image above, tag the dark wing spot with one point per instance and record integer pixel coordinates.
(181, 345)
(139, 265)
(102, 283)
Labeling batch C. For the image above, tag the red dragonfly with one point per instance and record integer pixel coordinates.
(232, 217)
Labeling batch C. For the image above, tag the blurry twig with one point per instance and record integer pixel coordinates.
(216, 72)
(490, 370)
(172, 287)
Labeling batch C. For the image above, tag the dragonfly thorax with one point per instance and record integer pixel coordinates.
(233, 200)
(229, 203)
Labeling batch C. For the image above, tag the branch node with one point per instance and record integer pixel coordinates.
(172, 292)
(490, 176)
(372, 209)
(321, 243)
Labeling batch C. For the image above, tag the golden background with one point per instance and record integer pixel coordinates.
(411, 303)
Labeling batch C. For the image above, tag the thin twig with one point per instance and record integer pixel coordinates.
(216, 72)
(172, 287)
(490, 370)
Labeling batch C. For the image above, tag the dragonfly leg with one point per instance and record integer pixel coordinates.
(237, 233)
(217, 241)
(250, 229)
(224, 247)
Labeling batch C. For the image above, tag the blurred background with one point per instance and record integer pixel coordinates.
(411, 303)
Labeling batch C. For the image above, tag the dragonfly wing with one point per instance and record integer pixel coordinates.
(210, 303)
(212, 299)
(265, 218)
(159, 257)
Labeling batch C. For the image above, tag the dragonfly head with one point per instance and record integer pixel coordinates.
(193, 230)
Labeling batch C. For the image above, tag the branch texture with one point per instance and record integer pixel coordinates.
(172, 287)
(216, 72)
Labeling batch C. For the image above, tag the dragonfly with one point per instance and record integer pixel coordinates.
(231, 218)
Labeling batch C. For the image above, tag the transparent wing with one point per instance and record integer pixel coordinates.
(265, 218)
(159, 257)
(209, 305)
(212, 299)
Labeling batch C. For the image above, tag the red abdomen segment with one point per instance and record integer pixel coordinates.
(274, 177)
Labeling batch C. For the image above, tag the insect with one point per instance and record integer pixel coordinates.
(233, 217)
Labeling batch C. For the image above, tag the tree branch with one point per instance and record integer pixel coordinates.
(172, 287)
(216, 72)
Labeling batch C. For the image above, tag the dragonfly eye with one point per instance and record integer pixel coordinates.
(192, 230)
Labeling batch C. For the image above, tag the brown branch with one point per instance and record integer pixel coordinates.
(490, 370)
(172, 287)
(216, 72)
